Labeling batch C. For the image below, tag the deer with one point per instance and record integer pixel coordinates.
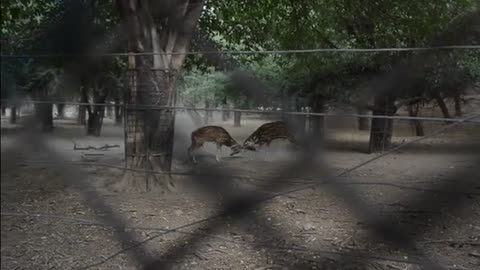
(214, 134)
(265, 134)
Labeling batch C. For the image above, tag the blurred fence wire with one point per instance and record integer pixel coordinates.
(238, 204)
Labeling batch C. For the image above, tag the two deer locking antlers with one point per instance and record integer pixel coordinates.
(263, 136)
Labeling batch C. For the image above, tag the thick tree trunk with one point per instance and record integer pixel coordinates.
(61, 110)
(458, 106)
(381, 129)
(362, 121)
(417, 125)
(150, 133)
(44, 113)
(236, 119)
(150, 138)
(13, 115)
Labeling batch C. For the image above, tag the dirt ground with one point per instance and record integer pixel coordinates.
(61, 216)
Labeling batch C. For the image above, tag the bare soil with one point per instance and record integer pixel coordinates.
(60, 216)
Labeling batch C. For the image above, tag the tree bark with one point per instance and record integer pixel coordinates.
(417, 125)
(150, 137)
(381, 129)
(362, 121)
(96, 113)
(13, 115)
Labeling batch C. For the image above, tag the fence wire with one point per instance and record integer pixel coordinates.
(253, 52)
(237, 205)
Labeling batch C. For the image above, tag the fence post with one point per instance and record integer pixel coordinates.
(236, 118)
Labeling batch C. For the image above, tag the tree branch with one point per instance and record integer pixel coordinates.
(185, 33)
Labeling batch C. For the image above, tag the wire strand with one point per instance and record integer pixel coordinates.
(254, 52)
(182, 108)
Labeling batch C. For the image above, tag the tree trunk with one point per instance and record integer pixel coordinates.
(318, 122)
(118, 113)
(236, 118)
(150, 138)
(82, 115)
(4, 110)
(381, 129)
(95, 120)
(13, 115)
(82, 109)
(44, 113)
(458, 106)
(150, 133)
(443, 106)
(362, 121)
(417, 125)
(61, 110)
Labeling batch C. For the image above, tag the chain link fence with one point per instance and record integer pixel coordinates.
(227, 204)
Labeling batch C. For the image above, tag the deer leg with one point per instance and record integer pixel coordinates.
(267, 147)
(217, 155)
(191, 154)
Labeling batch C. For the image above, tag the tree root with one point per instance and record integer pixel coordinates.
(144, 182)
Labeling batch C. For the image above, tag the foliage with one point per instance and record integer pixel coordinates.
(345, 23)
(55, 27)
(197, 86)
(70, 26)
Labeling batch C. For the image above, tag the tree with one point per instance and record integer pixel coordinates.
(41, 87)
(19, 18)
(158, 27)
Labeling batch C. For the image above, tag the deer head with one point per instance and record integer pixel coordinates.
(249, 145)
(237, 148)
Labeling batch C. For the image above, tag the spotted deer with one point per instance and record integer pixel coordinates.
(213, 134)
(265, 134)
